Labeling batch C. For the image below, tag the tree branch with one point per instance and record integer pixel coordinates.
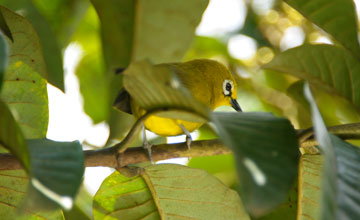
(108, 157)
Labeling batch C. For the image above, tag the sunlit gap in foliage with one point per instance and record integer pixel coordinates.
(68, 121)
(222, 17)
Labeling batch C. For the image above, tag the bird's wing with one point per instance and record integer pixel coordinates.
(122, 101)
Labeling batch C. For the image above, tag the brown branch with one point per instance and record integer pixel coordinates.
(108, 157)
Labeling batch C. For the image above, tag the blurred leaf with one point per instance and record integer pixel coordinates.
(5, 28)
(94, 88)
(221, 166)
(4, 52)
(64, 16)
(267, 166)
(326, 66)
(295, 91)
(335, 109)
(287, 210)
(57, 170)
(340, 196)
(11, 137)
(26, 46)
(251, 28)
(147, 29)
(157, 87)
(53, 67)
(206, 47)
(337, 17)
(167, 191)
(310, 170)
(13, 188)
(25, 92)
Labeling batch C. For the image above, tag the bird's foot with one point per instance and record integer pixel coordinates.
(188, 136)
(147, 146)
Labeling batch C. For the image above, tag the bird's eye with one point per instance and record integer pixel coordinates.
(227, 87)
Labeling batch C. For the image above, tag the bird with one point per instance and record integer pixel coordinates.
(208, 81)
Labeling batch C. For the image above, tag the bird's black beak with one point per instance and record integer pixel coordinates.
(235, 105)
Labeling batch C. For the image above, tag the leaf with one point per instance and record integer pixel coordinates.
(311, 167)
(42, 32)
(5, 28)
(340, 195)
(13, 187)
(167, 191)
(57, 169)
(158, 30)
(120, 197)
(3, 58)
(325, 66)
(158, 88)
(26, 46)
(25, 92)
(11, 137)
(337, 17)
(266, 156)
(90, 73)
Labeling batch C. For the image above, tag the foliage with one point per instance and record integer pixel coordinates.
(272, 174)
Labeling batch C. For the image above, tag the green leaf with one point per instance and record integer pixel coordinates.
(49, 46)
(310, 171)
(341, 173)
(325, 66)
(25, 92)
(147, 29)
(3, 58)
(13, 188)
(26, 46)
(120, 197)
(5, 28)
(167, 191)
(91, 75)
(57, 169)
(266, 153)
(287, 210)
(11, 137)
(337, 17)
(158, 87)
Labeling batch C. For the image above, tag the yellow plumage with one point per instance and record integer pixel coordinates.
(209, 82)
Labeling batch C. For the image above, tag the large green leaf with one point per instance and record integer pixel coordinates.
(3, 58)
(309, 186)
(337, 17)
(25, 92)
(57, 169)
(266, 153)
(326, 66)
(158, 30)
(159, 88)
(13, 187)
(167, 191)
(49, 46)
(11, 137)
(340, 195)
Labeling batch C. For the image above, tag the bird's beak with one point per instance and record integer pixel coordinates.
(235, 105)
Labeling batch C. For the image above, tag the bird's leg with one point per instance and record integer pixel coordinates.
(147, 146)
(188, 136)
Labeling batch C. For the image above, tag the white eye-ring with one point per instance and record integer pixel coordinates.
(228, 87)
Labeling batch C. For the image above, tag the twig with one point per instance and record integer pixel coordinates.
(108, 157)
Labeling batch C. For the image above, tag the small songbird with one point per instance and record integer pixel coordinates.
(209, 82)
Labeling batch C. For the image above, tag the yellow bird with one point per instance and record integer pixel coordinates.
(209, 81)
